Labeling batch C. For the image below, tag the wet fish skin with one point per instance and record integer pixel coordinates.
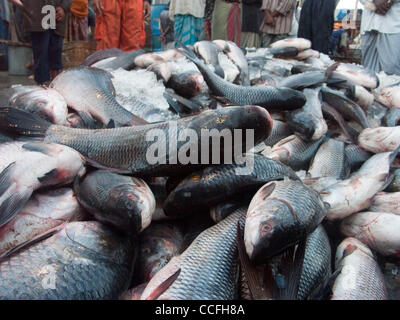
(237, 56)
(285, 52)
(395, 184)
(360, 188)
(378, 230)
(361, 277)
(381, 139)
(280, 131)
(45, 102)
(295, 152)
(187, 84)
(125, 61)
(101, 55)
(218, 183)
(392, 118)
(126, 203)
(308, 122)
(335, 115)
(158, 244)
(224, 209)
(389, 96)
(274, 98)
(200, 277)
(42, 212)
(316, 269)
(299, 43)
(386, 202)
(345, 106)
(124, 150)
(356, 156)
(358, 75)
(87, 261)
(26, 167)
(304, 80)
(330, 160)
(209, 52)
(147, 59)
(278, 217)
(90, 92)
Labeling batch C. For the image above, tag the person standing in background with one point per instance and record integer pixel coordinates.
(4, 33)
(380, 36)
(252, 18)
(208, 19)
(167, 30)
(227, 20)
(77, 21)
(188, 17)
(277, 20)
(120, 23)
(47, 44)
(316, 23)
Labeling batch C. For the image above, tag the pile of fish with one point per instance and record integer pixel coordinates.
(86, 214)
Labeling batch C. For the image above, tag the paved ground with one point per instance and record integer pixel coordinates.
(7, 81)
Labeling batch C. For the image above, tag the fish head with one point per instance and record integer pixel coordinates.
(264, 233)
(384, 96)
(267, 233)
(95, 238)
(349, 246)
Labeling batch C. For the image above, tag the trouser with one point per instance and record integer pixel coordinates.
(380, 52)
(268, 38)
(316, 23)
(120, 25)
(47, 54)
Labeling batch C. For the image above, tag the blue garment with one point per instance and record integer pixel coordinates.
(47, 54)
(188, 29)
(4, 34)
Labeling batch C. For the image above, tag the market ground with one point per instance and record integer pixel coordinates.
(7, 80)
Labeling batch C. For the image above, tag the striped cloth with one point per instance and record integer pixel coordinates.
(283, 23)
(188, 29)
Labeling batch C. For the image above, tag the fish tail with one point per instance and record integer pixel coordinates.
(21, 123)
(188, 53)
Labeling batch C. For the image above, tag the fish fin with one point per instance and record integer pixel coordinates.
(37, 147)
(292, 267)
(394, 154)
(387, 179)
(20, 122)
(49, 176)
(188, 53)
(173, 103)
(136, 121)
(219, 71)
(111, 124)
(157, 292)
(5, 178)
(327, 290)
(256, 288)
(87, 119)
(331, 69)
(28, 243)
(12, 205)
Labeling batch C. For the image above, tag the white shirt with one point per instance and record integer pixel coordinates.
(389, 23)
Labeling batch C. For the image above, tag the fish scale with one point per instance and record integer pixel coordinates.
(316, 268)
(75, 267)
(201, 277)
(329, 161)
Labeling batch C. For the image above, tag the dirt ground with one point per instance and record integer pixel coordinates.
(7, 81)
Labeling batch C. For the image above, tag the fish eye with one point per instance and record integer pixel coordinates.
(266, 228)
